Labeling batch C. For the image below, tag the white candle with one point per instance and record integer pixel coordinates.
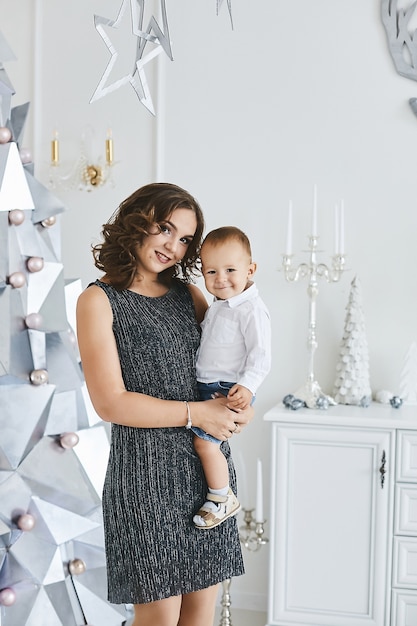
(288, 249)
(342, 228)
(314, 216)
(336, 230)
(259, 513)
(242, 483)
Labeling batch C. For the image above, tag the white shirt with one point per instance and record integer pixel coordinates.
(236, 341)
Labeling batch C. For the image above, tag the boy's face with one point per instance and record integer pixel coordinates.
(227, 268)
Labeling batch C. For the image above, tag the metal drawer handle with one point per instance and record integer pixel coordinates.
(382, 469)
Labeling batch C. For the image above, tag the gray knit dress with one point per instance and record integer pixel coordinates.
(154, 481)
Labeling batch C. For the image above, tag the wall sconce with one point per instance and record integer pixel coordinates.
(87, 173)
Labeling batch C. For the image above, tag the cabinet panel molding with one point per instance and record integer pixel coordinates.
(406, 510)
(407, 456)
(405, 562)
(404, 609)
(329, 523)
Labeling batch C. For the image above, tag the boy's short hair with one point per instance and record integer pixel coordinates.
(228, 233)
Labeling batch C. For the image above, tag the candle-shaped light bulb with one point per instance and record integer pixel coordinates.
(288, 250)
(342, 228)
(314, 214)
(109, 147)
(259, 512)
(55, 148)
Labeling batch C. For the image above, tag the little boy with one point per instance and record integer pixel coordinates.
(234, 355)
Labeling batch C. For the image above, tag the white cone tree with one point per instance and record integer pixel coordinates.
(352, 384)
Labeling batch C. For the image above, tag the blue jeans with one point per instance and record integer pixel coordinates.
(206, 391)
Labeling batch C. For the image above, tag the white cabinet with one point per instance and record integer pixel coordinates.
(343, 551)
(404, 574)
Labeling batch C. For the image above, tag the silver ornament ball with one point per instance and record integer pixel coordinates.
(26, 522)
(69, 440)
(39, 377)
(76, 567)
(16, 217)
(17, 279)
(7, 596)
(25, 155)
(49, 221)
(5, 134)
(35, 264)
(33, 320)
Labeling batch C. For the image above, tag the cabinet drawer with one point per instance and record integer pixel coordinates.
(407, 456)
(404, 572)
(406, 510)
(404, 609)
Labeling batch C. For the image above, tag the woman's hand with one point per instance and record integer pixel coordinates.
(215, 418)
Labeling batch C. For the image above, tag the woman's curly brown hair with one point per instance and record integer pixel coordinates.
(134, 219)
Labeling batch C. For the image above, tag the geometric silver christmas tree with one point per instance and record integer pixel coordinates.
(408, 384)
(352, 385)
(53, 446)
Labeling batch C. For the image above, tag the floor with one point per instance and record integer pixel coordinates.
(239, 617)
(242, 618)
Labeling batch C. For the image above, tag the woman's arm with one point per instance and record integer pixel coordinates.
(111, 400)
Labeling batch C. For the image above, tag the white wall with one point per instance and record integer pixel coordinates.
(298, 93)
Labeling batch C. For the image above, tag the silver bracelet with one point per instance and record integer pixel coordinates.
(189, 422)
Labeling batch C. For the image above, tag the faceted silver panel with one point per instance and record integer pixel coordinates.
(42, 397)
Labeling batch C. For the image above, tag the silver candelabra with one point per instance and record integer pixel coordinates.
(251, 536)
(310, 392)
(252, 533)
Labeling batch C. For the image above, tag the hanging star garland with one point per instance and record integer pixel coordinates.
(135, 74)
(133, 71)
(229, 6)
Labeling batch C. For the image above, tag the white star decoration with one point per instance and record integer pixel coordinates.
(229, 6)
(132, 69)
(135, 74)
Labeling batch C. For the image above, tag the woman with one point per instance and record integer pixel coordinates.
(138, 334)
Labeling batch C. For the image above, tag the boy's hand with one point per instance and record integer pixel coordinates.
(239, 397)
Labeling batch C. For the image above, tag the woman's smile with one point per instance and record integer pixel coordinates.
(163, 258)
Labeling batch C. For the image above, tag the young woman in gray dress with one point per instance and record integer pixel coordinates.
(138, 333)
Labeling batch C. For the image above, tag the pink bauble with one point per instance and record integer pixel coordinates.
(39, 377)
(49, 221)
(71, 336)
(26, 522)
(5, 134)
(33, 320)
(25, 155)
(76, 567)
(16, 217)
(17, 279)
(69, 440)
(35, 264)
(7, 596)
